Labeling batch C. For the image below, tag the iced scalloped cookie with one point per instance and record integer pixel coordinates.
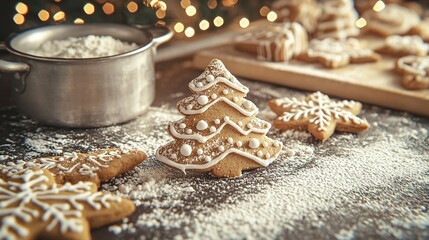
(73, 167)
(219, 133)
(415, 72)
(317, 113)
(404, 45)
(33, 206)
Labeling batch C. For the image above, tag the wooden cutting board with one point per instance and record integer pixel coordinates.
(374, 83)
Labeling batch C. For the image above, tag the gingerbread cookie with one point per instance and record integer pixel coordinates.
(338, 20)
(73, 167)
(305, 12)
(415, 71)
(404, 45)
(219, 133)
(392, 20)
(422, 29)
(319, 114)
(277, 42)
(33, 206)
(333, 53)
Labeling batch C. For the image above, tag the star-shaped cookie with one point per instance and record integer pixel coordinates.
(334, 53)
(415, 72)
(73, 167)
(319, 114)
(33, 206)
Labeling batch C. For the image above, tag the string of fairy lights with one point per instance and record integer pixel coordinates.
(185, 16)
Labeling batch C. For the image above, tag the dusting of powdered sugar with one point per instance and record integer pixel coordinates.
(351, 186)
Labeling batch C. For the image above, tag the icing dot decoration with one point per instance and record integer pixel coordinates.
(202, 125)
(265, 144)
(213, 96)
(217, 121)
(226, 118)
(199, 151)
(189, 107)
(230, 140)
(189, 131)
(267, 155)
(259, 153)
(225, 91)
(203, 100)
(182, 125)
(221, 148)
(186, 150)
(276, 144)
(247, 104)
(240, 123)
(173, 156)
(235, 99)
(254, 143)
(239, 143)
(207, 158)
(212, 129)
(249, 125)
(210, 78)
(200, 84)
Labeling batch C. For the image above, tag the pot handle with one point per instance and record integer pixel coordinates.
(19, 68)
(160, 34)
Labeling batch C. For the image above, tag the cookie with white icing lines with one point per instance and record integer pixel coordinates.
(404, 45)
(34, 206)
(277, 42)
(73, 167)
(415, 72)
(219, 133)
(334, 53)
(305, 12)
(317, 113)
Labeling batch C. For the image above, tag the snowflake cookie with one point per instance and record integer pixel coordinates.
(334, 53)
(73, 167)
(415, 72)
(219, 133)
(33, 206)
(319, 114)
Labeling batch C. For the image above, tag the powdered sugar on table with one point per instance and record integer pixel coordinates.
(83, 47)
(372, 185)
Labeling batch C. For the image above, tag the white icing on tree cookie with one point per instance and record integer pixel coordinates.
(210, 140)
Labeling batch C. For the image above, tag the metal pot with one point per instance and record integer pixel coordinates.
(90, 92)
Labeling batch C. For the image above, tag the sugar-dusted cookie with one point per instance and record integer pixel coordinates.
(333, 53)
(422, 29)
(393, 19)
(338, 20)
(73, 167)
(319, 114)
(404, 45)
(305, 12)
(415, 72)
(33, 206)
(219, 133)
(278, 42)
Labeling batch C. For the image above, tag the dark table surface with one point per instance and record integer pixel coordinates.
(371, 185)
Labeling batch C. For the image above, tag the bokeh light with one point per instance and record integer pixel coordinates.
(361, 22)
(19, 19)
(272, 16)
(132, 7)
(191, 10)
(21, 8)
(189, 32)
(244, 22)
(179, 27)
(108, 8)
(218, 21)
(204, 25)
(43, 15)
(59, 16)
(89, 8)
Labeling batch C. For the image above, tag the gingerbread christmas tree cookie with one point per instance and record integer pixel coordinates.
(319, 114)
(33, 206)
(73, 167)
(219, 133)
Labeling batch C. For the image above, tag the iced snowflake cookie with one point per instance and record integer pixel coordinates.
(415, 72)
(73, 167)
(393, 19)
(338, 20)
(404, 45)
(334, 53)
(33, 206)
(278, 42)
(319, 114)
(305, 12)
(219, 133)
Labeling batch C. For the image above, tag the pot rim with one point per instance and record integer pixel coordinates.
(140, 49)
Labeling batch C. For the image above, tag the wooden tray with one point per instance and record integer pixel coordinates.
(374, 83)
